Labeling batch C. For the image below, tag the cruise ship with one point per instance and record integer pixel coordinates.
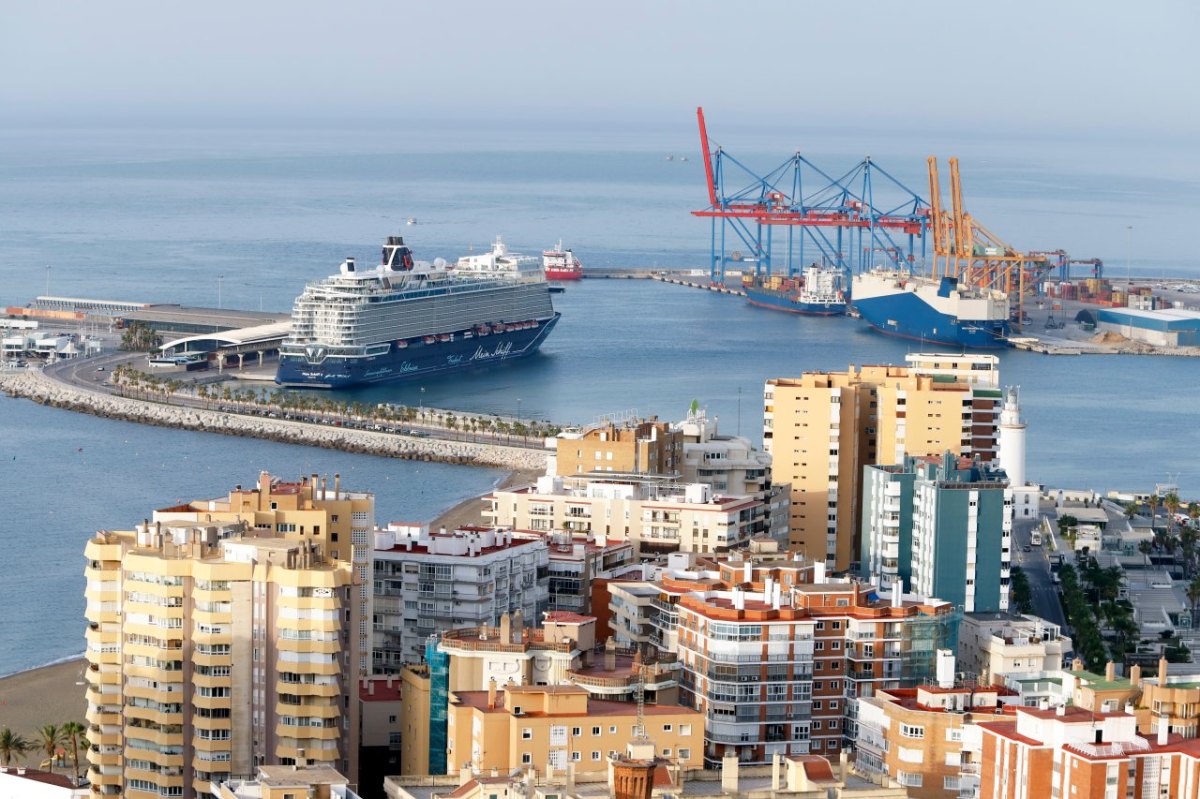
(499, 262)
(407, 320)
(821, 292)
(936, 311)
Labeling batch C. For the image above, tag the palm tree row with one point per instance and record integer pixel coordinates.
(50, 739)
(133, 383)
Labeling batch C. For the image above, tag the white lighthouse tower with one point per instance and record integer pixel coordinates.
(1012, 438)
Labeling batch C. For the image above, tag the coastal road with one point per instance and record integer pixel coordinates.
(1036, 565)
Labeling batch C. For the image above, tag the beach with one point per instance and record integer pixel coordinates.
(470, 511)
(48, 695)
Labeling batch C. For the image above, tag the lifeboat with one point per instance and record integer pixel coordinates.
(444, 337)
(430, 339)
(402, 344)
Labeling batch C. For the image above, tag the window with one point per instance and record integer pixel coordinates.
(526, 758)
(612, 730)
(526, 733)
(391, 719)
(596, 755)
(576, 756)
(912, 731)
(667, 728)
(595, 730)
(685, 754)
(576, 731)
(685, 729)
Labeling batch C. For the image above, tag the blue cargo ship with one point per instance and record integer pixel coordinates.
(939, 312)
(820, 292)
(409, 320)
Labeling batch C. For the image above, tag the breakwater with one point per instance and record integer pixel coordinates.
(33, 385)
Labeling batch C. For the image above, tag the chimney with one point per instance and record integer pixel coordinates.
(389, 682)
(747, 571)
(1110, 671)
(818, 572)
(570, 779)
(729, 773)
(492, 693)
(776, 763)
(897, 594)
(518, 625)
(465, 775)
(1164, 729)
(1061, 710)
(1135, 675)
(843, 767)
(370, 687)
(337, 486)
(1162, 672)
(324, 483)
(312, 487)
(1076, 665)
(505, 628)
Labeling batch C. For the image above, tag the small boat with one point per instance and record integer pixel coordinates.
(412, 220)
(444, 337)
(429, 339)
(402, 344)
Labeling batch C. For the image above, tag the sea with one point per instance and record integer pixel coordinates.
(243, 217)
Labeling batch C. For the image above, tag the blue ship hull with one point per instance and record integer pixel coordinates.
(415, 362)
(780, 302)
(907, 316)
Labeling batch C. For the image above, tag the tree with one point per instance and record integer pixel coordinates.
(1153, 503)
(12, 745)
(140, 337)
(1146, 547)
(74, 736)
(1193, 595)
(1131, 509)
(49, 739)
(1171, 503)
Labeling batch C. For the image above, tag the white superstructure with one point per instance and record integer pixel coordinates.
(499, 262)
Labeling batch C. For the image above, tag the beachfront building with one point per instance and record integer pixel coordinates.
(315, 509)
(656, 514)
(580, 570)
(214, 648)
(1079, 753)
(556, 726)
(428, 582)
(823, 428)
(634, 446)
(942, 526)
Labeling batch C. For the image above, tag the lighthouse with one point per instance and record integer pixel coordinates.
(1012, 438)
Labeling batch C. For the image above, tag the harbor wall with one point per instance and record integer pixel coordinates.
(33, 385)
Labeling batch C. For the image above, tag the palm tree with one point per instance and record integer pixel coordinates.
(73, 735)
(1171, 503)
(12, 745)
(49, 738)
(1153, 503)
(1145, 547)
(1131, 509)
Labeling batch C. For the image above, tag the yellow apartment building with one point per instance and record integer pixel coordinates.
(560, 724)
(822, 428)
(637, 447)
(314, 509)
(214, 648)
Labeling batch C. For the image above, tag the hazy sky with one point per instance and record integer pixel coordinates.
(1103, 66)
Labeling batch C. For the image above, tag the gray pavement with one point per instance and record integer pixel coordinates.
(1036, 565)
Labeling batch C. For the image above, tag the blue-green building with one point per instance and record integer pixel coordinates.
(942, 526)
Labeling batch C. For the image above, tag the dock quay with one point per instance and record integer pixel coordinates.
(683, 281)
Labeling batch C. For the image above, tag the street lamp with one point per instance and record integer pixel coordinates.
(219, 279)
(47, 280)
(518, 411)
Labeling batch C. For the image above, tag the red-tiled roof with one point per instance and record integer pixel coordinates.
(37, 775)
(816, 767)
(567, 617)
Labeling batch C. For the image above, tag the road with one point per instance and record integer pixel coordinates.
(1036, 565)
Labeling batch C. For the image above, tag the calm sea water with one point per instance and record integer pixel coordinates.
(159, 215)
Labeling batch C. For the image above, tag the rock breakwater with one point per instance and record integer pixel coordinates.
(35, 386)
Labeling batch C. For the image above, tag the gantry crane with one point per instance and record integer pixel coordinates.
(839, 220)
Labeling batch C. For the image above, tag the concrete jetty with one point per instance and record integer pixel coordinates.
(33, 385)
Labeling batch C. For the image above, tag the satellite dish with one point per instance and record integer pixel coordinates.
(440, 263)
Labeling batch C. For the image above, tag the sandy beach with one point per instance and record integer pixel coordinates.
(470, 511)
(49, 695)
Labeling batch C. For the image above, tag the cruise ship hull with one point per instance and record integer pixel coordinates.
(779, 302)
(417, 361)
(906, 314)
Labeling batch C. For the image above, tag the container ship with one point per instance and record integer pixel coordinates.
(935, 311)
(560, 264)
(407, 320)
(820, 292)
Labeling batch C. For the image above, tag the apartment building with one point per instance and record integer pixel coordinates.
(213, 649)
(926, 738)
(580, 569)
(313, 509)
(778, 672)
(940, 525)
(428, 582)
(994, 645)
(656, 514)
(1079, 753)
(822, 428)
(552, 726)
(276, 782)
(634, 446)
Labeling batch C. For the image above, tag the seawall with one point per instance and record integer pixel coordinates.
(35, 386)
